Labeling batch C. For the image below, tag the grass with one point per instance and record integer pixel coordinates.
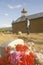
(37, 38)
(5, 37)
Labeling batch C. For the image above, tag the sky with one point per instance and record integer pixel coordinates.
(11, 10)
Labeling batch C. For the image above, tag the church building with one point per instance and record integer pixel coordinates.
(35, 23)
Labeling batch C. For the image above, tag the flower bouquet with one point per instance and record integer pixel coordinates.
(18, 56)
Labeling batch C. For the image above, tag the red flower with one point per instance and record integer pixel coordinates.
(7, 49)
(9, 58)
(20, 63)
(32, 55)
(25, 48)
(30, 60)
(21, 48)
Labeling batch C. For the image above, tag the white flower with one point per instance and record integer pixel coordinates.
(27, 52)
(16, 42)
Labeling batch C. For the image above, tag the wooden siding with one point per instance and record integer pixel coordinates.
(36, 26)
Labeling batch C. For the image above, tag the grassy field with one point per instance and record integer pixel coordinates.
(5, 37)
(37, 38)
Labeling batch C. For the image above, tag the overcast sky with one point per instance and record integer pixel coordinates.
(11, 9)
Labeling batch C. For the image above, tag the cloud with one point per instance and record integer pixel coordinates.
(6, 14)
(14, 7)
(10, 7)
(18, 6)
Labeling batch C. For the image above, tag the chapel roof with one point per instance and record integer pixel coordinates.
(33, 16)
